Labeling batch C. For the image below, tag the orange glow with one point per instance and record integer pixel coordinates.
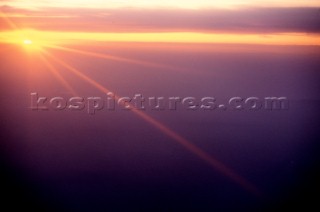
(55, 37)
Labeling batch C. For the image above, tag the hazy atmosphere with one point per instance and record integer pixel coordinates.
(74, 137)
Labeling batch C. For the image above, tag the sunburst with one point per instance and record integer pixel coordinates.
(38, 44)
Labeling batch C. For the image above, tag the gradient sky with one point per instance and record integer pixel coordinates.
(162, 3)
(258, 22)
(218, 48)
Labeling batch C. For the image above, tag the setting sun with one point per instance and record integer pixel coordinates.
(27, 42)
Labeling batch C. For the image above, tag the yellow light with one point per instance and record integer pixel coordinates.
(31, 46)
(41, 39)
(27, 42)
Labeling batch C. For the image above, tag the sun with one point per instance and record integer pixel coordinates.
(31, 46)
(27, 42)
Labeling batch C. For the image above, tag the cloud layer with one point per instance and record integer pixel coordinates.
(249, 20)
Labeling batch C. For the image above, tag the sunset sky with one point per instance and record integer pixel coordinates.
(159, 160)
(255, 22)
(190, 4)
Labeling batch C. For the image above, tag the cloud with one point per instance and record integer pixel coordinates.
(246, 20)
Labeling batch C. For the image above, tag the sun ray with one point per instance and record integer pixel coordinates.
(55, 72)
(115, 58)
(216, 164)
(8, 21)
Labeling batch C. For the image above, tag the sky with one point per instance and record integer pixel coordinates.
(190, 4)
(269, 22)
(159, 160)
